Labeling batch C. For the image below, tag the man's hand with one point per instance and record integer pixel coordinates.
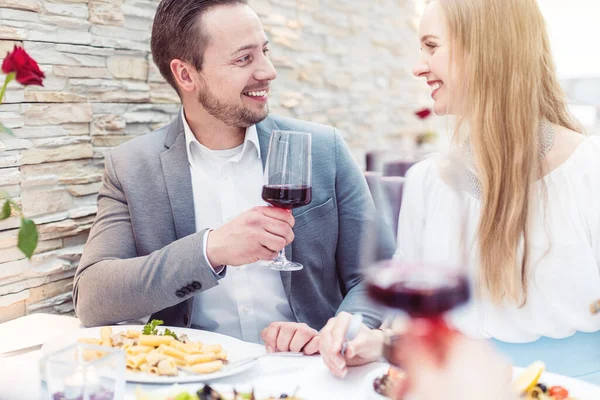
(290, 336)
(257, 234)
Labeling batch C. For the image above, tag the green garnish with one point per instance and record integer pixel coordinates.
(185, 396)
(150, 329)
(169, 332)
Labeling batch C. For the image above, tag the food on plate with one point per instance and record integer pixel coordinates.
(527, 384)
(389, 384)
(150, 351)
(529, 387)
(208, 393)
(595, 307)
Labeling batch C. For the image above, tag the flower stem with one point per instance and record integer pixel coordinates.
(10, 77)
(15, 206)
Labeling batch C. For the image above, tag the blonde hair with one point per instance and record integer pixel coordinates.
(508, 84)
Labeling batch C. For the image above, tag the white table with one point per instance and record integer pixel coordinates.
(19, 375)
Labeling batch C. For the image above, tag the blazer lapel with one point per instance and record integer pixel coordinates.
(264, 130)
(178, 180)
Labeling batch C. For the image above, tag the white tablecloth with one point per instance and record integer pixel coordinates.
(19, 375)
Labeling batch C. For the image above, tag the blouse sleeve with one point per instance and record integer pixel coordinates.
(412, 213)
(592, 184)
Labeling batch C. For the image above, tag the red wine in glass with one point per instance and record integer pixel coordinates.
(425, 293)
(287, 196)
(287, 181)
(421, 298)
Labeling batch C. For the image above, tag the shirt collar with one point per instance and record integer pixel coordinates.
(250, 140)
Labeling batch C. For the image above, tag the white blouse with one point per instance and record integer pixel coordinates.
(564, 247)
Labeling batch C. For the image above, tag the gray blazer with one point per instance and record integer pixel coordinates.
(143, 255)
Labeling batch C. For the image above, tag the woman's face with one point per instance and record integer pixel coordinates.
(434, 61)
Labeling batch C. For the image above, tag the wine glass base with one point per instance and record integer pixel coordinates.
(281, 265)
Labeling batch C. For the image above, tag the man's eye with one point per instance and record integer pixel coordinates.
(244, 59)
(431, 45)
(266, 51)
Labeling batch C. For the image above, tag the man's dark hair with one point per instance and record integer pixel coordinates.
(177, 33)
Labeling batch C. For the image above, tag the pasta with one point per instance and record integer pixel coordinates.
(159, 355)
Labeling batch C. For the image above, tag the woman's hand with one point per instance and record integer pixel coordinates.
(365, 348)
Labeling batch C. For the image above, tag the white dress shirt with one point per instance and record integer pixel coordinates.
(564, 247)
(226, 183)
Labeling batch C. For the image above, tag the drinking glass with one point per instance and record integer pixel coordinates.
(287, 181)
(423, 289)
(85, 372)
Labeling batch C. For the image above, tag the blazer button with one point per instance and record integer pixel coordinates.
(179, 293)
(184, 290)
(190, 288)
(196, 285)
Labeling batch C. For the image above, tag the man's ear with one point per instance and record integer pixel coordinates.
(182, 72)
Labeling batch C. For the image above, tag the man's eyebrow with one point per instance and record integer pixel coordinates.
(248, 47)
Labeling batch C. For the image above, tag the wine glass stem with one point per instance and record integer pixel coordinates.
(280, 256)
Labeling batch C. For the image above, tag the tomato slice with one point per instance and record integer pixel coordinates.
(558, 392)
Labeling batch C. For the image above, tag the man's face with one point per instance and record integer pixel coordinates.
(236, 74)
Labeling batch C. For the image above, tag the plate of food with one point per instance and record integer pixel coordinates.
(156, 354)
(217, 392)
(383, 382)
(532, 383)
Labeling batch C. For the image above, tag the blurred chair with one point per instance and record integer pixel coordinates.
(387, 195)
(372, 178)
(392, 187)
(373, 160)
(397, 168)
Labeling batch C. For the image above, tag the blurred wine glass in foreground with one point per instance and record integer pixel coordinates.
(420, 290)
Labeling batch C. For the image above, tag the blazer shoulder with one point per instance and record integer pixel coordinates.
(314, 128)
(139, 148)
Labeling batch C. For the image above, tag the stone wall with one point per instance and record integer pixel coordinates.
(340, 62)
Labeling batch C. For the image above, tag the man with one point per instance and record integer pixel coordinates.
(180, 215)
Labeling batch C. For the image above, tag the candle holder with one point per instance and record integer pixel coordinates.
(85, 372)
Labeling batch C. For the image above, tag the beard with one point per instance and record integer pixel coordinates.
(237, 116)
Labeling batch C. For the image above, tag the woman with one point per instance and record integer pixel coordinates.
(534, 207)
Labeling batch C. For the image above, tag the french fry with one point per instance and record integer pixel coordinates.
(207, 368)
(133, 350)
(194, 359)
(133, 334)
(105, 333)
(212, 348)
(171, 351)
(134, 362)
(154, 340)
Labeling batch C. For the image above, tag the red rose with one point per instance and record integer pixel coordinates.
(424, 113)
(26, 69)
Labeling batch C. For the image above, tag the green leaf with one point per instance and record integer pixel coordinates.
(28, 237)
(5, 210)
(150, 328)
(169, 332)
(6, 129)
(184, 396)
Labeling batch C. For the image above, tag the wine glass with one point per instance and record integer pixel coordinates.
(287, 181)
(420, 289)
